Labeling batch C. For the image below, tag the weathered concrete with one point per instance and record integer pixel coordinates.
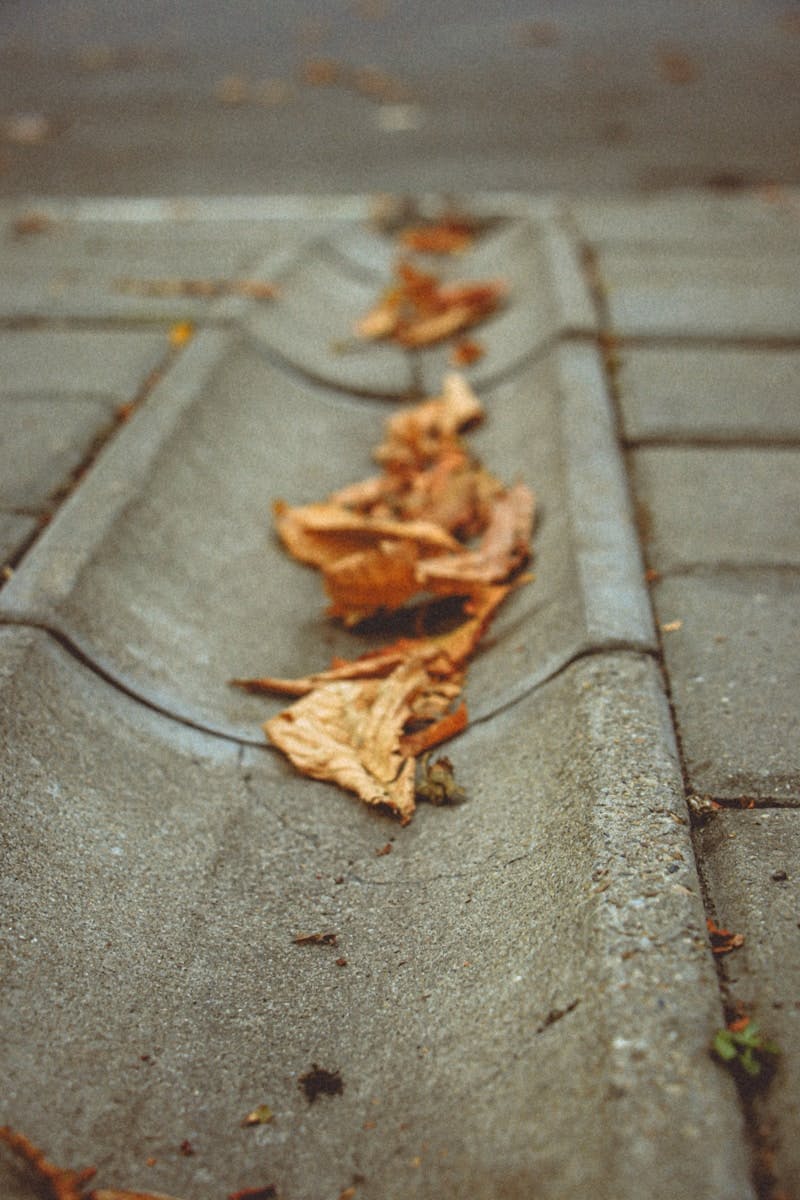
(98, 270)
(14, 531)
(735, 506)
(109, 363)
(163, 570)
(733, 666)
(695, 292)
(709, 393)
(750, 865)
(526, 965)
(41, 442)
(691, 220)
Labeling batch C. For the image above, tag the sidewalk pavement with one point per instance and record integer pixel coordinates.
(523, 992)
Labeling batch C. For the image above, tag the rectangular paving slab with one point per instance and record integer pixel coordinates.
(709, 393)
(674, 291)
(108, 363)
(719, 505)
(519, 1002)
(734, 662)
(164, 570)
(750, 865)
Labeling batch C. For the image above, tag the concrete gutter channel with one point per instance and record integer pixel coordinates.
(522, 994)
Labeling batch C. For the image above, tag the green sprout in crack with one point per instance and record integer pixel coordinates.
(742, 1047)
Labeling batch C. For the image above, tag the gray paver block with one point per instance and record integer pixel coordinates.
(526, 965)
(164, 569)
(710, 392)
(672, 291)
(109, 363)
(692, 219)
(750, 863)
(14, 531)
(733, 666)
(714, 505)
(41, 442)
(78, 270)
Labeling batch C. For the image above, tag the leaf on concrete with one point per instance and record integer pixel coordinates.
(419, 310)
(362, 723)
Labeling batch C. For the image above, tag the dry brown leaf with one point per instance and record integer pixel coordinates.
(349, 732)
(419, 310)
(382, 577)
(362, 723)
(504, 548)
(447, 236)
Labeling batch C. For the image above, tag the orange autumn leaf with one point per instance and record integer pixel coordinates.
(418, 310)
(723, 941)
(503, 549)
(361, 724)
(466, 352)
(382, 577)
(348, 732)
(447, 236)
(442, 653)
(321, 534)
(439, 731)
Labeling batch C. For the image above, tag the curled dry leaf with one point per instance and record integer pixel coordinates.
(362, 723)
(419, 310)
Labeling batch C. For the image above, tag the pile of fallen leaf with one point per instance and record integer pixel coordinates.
(434, 527)
(418, 309)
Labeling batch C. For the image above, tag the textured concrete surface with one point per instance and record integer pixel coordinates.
(530, 963)
(750, 865)
(696, 293)
(14, 530)
(56, 434)
(112, 364)
(733, 666)
(708, 506)
(709, 394)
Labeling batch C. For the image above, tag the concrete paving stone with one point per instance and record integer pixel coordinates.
(733, 666)
(42, 440)
(695, 219)
(720, 393)
(164, 570)
(750, 865)
(717, 505)
(14, 532)
(76, 272)
(106, 363)
(674, 291)
(528, 995)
